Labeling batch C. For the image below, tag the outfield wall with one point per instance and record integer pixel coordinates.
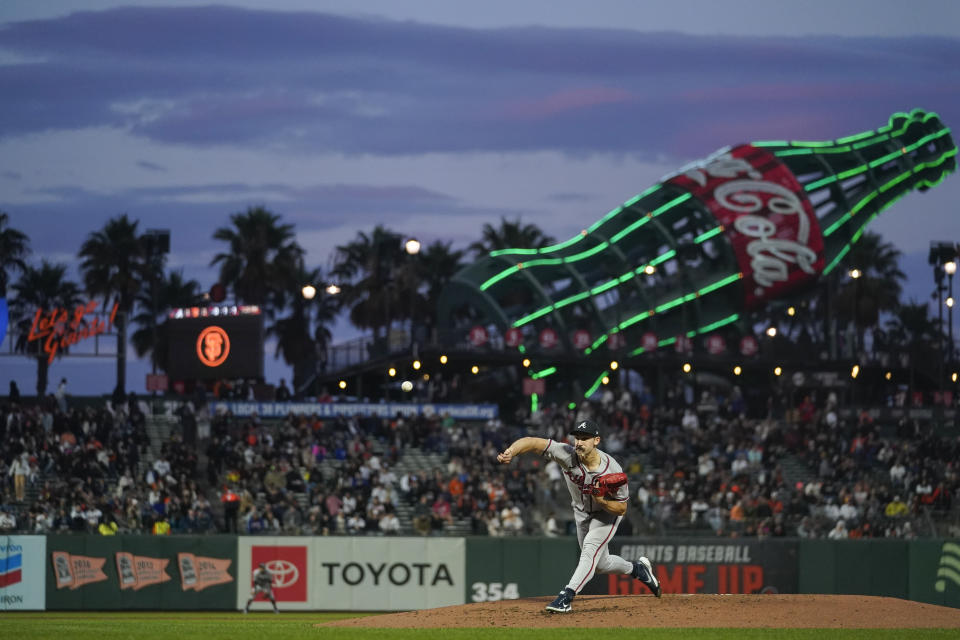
(81, 572)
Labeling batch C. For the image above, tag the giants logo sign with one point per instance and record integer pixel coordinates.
(766, 216)
(213, 346)
(289, 568)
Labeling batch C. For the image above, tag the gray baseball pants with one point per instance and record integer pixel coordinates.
(594, 533)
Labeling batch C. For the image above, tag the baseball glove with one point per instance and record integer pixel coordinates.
(605, 485)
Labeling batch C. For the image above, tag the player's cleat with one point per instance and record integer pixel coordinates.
(561, 604)
(643, 571)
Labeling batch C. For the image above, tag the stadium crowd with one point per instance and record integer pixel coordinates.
(704, 468)
(78, 470)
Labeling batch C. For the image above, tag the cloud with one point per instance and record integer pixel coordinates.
(313, 82)
(569, 197)
(150, 166)
(319, 212)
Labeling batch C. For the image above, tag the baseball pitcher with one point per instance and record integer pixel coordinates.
(599, 496)
(262, 584)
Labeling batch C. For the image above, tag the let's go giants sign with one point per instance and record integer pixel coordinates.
(60, 328)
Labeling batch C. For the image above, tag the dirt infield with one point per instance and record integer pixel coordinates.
(764, 611)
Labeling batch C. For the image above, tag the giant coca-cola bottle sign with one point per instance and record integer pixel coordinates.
(767, 218)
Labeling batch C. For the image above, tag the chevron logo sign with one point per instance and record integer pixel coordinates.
(11, 564)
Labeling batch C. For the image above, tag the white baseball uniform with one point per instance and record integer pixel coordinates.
(595, 527)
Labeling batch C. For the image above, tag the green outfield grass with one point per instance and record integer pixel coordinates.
(236, 626)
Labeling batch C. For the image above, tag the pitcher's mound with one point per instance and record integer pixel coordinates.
(768, 611)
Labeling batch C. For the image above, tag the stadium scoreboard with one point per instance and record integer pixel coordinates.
(208, 343)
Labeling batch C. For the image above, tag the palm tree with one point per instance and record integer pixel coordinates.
(14, 248)
(437, 264)
(914, 333)
(913, 327)
(372, 283)
(112, 267)
(302, 347)
(878, 286)
(155, 297)
(40, 290)
(263, 258)
(510, 235)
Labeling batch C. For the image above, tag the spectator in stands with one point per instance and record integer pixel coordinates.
(255, 524)
(551, 528)
(441, 516)
(271, 522)
(231, 507)
(898, 472)
(839, 531)
(161, 527)
(61, 395)
(108, 528)
(421, 516)
(20, 469)
(494, 528)
(292, 516)
(389, 523)
(312, 526)
(511, 520)
(188, 523)
(7, 522)
(896, 508)
(355, 524)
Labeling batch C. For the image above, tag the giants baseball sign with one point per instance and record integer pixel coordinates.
(721, 566)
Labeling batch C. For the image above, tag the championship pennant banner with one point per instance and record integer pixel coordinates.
(140, 572)
(22, 575)
(354, 573)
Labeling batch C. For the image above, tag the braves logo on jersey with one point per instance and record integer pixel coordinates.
(578, 479)
(587, 488)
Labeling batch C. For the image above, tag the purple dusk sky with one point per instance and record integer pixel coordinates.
(432, 118)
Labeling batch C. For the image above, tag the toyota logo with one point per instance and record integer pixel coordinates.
(285, 573)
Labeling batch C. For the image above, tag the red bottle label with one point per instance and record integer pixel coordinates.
(766, 216)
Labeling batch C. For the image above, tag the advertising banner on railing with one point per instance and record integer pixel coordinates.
(354, 573)
(706, 565)
(22, 575)
(347, 409)
(141, 572)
